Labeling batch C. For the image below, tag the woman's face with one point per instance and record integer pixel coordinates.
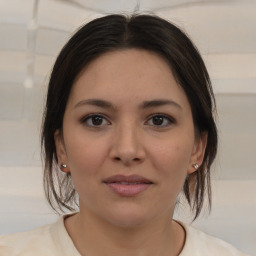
(128, 138)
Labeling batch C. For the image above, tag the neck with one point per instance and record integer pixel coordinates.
(162, 236)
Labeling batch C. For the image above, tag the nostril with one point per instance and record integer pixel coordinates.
(127, 160)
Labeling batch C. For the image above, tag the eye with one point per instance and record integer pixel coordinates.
(95, 120)
(160, 120)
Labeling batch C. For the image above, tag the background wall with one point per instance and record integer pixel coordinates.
(32, 33)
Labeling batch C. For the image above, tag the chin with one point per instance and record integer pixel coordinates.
(129, 217)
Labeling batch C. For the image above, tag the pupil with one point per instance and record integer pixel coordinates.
(97, 120)
(157, 120)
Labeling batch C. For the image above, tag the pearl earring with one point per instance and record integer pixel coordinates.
(196, 166)
(63, 166)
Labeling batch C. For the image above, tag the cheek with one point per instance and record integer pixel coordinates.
(85, 155)
(171, 157)
(171, 160)
(85, 158)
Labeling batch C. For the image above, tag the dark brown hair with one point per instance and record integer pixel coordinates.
(115, 32)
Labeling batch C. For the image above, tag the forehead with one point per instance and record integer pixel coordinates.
(129, 60)
(127, 75)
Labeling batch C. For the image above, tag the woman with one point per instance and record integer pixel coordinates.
(128, 125)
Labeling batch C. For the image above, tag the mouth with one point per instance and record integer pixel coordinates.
(127, 186)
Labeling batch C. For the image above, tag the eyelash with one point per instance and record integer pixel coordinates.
(169, 119)
(88, 117)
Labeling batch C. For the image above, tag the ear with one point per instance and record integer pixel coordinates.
(61, 151)
(197, 156)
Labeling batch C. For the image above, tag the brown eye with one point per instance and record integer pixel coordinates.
(97, 120)
(160, 121)
(94, 120)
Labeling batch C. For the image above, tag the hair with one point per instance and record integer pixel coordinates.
(117, 32)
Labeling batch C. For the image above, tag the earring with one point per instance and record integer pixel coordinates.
(63, 166)
(196, 166)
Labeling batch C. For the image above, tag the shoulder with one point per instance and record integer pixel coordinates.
(39, 240)
(199, 243)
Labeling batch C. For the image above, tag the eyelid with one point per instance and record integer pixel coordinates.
(86, 117)
(169, 118)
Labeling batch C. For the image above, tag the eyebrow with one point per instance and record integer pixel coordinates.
(158, 103)
(144, 105)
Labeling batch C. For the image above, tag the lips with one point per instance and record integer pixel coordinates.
(127, 179)
(127, 185)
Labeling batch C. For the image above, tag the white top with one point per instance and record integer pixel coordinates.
(53, 240)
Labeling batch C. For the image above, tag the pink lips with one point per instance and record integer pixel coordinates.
(127, 185)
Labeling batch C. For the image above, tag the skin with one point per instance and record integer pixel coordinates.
(127, 140)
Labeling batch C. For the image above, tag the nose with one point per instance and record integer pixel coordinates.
(127, 146)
